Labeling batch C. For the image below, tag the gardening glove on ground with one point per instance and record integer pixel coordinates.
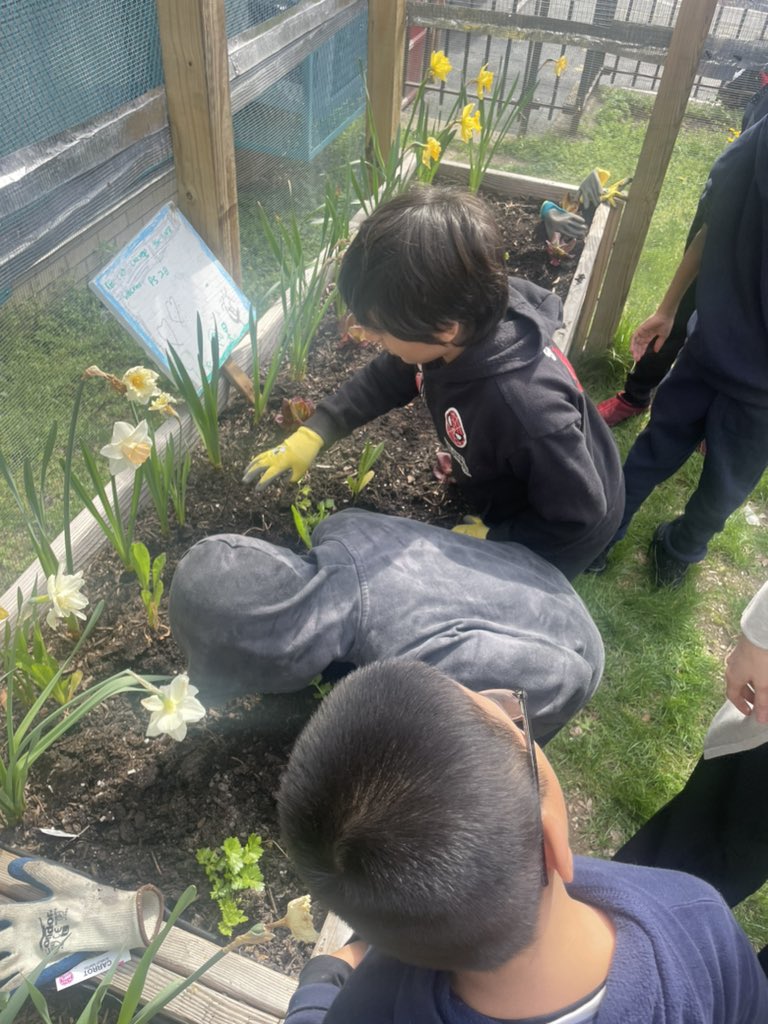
(560, 221)
(472, 526)
(73, 915)
(294, 456)
(591, 189)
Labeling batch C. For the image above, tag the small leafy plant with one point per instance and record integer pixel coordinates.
(232, 869)
(369, 456)
(307, 514)
(36, 668)
(149, 572)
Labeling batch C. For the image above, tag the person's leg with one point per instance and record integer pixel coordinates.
(676, 426)
(736, 457)
(716, 827)
(648, 372)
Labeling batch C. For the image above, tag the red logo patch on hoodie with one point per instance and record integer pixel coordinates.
(454, 428)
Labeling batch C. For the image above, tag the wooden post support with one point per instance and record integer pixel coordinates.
(193, 39)
(386, 53)
(685, 50)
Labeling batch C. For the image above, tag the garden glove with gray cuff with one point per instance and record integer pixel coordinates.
(293, 458)
(74, 915)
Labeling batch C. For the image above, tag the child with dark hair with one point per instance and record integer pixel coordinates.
(423, 814)
(426, 279)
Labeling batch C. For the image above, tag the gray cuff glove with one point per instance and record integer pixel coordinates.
(591, 189)
(558, 221)
(73, 915)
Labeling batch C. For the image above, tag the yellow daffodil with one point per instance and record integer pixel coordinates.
(733, 134)
(470, 123)
(172, 707)
(3, 613)
(439, 65)
(164, 403)
(431, 151)
(65, 597)
(484, 81)
(140, 384)
(560, 65)
(129, 448)
(298, 918)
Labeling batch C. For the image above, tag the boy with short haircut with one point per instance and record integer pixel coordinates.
(412, 809)
(426, 279)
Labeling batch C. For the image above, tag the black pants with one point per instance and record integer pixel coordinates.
(648, 372)
(686, 410)
(716, 828)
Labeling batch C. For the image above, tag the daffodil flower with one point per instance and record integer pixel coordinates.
(733, 134)
(560, 65)
(3, 613)
(439, 65)
(129, 448)
(140, 384)
(470, 123)
(484, 81)
(298, 918)
(164, 403)
(114, 382)
(172, 706)
(65, 597)
(431, 151)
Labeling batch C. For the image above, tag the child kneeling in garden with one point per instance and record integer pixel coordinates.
(425, 817)
(426, 279)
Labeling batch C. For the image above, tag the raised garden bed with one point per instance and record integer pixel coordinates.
(137, 809)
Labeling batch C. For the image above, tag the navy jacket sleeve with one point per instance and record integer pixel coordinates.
(319, 984)
(385, 383)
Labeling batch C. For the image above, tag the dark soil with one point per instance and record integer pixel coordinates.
(140, 808)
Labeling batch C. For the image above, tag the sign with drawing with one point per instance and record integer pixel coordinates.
(160, 282)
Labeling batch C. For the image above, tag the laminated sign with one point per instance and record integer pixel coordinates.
(161, 281)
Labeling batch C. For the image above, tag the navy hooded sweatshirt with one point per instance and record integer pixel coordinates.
(529, 450)
(680, 958)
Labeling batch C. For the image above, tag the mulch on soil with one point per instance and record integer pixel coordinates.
(139, 807)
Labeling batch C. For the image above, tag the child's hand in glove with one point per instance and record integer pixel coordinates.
(72, 915)
(472, 526)
(293, 457)
(560, 221)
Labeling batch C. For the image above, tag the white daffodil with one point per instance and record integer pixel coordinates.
(172, 707)
(164, 403)
(140, 384)
(65, 597)
(129, 448)
(298, 917)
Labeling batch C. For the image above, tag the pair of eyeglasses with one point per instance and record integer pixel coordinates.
(514, 705)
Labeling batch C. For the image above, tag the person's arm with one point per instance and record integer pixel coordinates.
(654, 331)
(321, 981)
(385, 383)
(746, 667)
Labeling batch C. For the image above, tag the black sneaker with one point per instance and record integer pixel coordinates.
(666, 570)
(598, 564)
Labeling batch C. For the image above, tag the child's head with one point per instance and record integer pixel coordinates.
(409, 808)
(427, 260)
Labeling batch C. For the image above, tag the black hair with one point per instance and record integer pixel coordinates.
(412, 814)
(428, 258)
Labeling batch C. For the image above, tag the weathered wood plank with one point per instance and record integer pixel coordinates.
(386, 45)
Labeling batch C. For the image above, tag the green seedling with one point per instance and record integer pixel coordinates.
(307, 514)
(369, 456)
(232, 869)
(36, 668)
(149, 572)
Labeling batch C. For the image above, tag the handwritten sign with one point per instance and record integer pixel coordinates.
(160, 282)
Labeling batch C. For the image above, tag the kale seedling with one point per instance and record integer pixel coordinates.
(231, 869)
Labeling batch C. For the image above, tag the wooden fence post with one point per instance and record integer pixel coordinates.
(386, 53)
(685, 50)
(193, 39)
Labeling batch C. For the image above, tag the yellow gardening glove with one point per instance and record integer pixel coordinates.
(294, 456)
(472, 526)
